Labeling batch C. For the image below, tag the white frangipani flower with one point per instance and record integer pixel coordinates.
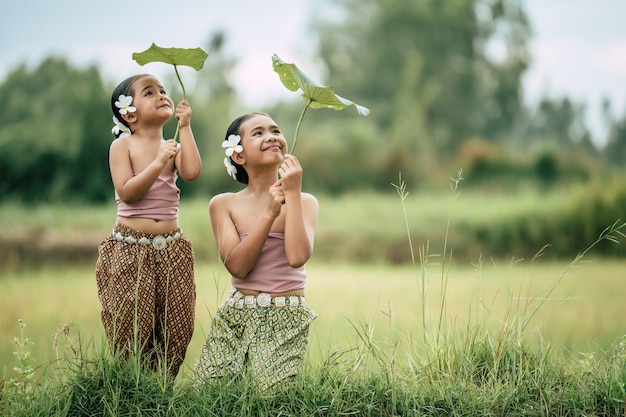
(119, 127)
(124, 104)
(232, 145)
(230, 168)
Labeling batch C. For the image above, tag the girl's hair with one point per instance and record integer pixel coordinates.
(125, 88)
(233, 129)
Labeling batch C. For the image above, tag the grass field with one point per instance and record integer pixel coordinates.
(579, 309)
(462, 336)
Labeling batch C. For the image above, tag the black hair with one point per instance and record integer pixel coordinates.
(124, 88)
(241, 175)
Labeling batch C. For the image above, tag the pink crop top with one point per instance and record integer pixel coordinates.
(272, 272)
(159, 203)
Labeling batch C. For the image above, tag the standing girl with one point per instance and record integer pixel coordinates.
(145, 269)
(264, 235)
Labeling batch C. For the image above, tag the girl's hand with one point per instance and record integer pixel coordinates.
(277, 198)
(291, 174)
(167, 150)
(183, 113)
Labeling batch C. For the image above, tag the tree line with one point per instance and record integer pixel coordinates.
(439, 102)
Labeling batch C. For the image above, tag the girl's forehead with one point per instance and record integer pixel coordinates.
(257, 120)
(144, 82)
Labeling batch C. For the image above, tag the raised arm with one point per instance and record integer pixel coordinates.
(301, 212)
(188, 161)
(131, 188)
(239, 256)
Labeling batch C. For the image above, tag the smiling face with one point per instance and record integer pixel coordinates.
(151, 100)
(261, 135)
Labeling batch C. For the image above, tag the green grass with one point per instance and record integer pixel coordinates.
(583, 314)
(373, 355)
(533, 337)
(371, 352)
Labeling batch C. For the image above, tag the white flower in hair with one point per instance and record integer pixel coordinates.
(124, 104)
(120, 130)
(232, 144)
(230, 168)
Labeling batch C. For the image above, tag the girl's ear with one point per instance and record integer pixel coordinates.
(238, 158)
(129, 117)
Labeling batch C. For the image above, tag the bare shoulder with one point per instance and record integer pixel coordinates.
(222, 200)
(119, 145)
(310, 200)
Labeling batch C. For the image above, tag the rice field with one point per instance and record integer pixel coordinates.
(577, 309)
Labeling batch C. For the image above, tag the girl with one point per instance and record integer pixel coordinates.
(264, 235)
(145, 269)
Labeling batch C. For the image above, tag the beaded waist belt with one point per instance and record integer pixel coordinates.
(158, 242)
(263, 300)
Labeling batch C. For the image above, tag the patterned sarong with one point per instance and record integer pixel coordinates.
(268, 344)
(151, 291)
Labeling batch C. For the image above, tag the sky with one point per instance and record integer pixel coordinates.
(578, 46)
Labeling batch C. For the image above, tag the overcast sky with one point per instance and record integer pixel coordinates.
(579, 46)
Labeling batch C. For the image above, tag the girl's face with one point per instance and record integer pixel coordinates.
(260, 134)
(151, 100)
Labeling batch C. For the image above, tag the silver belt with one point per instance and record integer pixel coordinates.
(158, 242)
(262, 300)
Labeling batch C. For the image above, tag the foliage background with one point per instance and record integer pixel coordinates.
(440, 104)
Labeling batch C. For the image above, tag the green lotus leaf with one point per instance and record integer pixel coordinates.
(318, 95)
(193, 58)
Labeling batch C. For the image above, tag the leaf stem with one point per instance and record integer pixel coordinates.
(184, 97)
(180, 81)
(295, 136)
(176, 133)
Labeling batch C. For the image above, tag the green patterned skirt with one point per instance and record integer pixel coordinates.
(268, 344)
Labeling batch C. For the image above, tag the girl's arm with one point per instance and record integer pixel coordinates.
(301, 211)
(188, 161)
(131, 188)
(239, 256)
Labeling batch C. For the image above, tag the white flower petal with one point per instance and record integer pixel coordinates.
(124, 104)
(230, 168)
(125, 100)
(119, 129)
(231, 144)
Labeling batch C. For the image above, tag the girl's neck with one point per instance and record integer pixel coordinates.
(259, 184)
(149, 132)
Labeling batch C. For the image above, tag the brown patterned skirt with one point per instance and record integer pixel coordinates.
(147, 292)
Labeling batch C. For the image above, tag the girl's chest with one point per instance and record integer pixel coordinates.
(249, 217)
(142, 156)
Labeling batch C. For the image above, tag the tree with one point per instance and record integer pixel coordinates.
(615, 150)
(50, 118)
(559, 121)
(430, 62)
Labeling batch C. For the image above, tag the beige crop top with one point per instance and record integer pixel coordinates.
(159, 203)
(272, 273)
